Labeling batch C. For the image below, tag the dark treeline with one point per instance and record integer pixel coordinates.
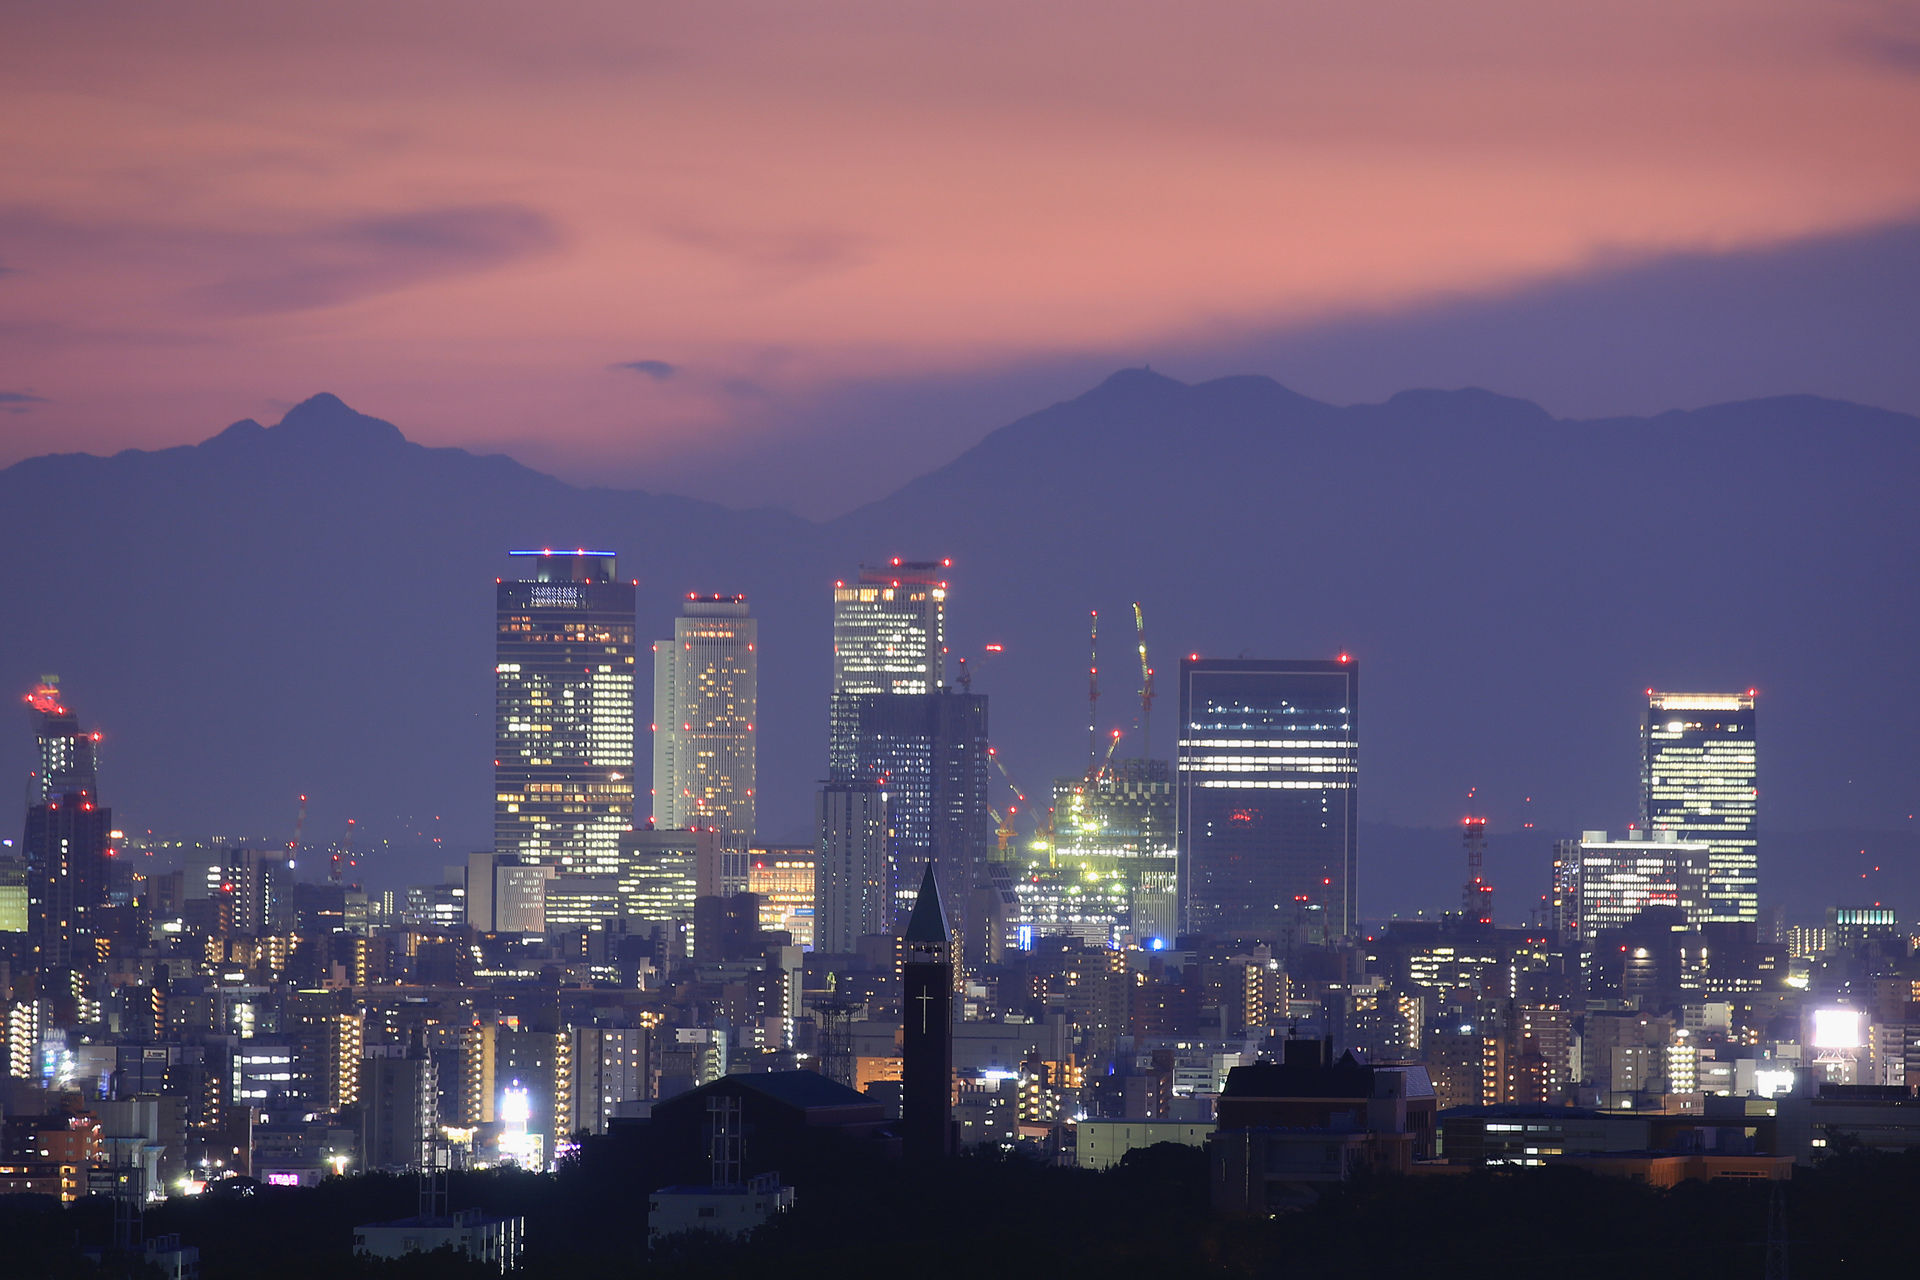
(984, 1215)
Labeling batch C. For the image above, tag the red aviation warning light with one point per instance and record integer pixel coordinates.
(1344, 657)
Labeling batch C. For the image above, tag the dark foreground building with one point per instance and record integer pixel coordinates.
(1288, 1129)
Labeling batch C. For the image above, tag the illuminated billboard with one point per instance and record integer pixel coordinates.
(1837, 1029)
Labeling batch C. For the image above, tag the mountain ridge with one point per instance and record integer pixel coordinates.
(307, 611)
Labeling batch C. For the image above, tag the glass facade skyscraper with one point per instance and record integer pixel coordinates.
(1698, 780)
(1266, 797)
(563, 713)
(889, 636)
(705, 704)
(928, 752)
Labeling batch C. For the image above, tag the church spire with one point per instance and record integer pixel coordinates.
(927, 925)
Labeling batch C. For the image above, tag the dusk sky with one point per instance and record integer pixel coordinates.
(798, 254)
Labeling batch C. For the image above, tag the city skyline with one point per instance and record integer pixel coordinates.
(775, 875)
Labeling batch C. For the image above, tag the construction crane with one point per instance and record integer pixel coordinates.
(346, 851)
(1093, 694)
(299, 825)
(1039, 832)
(1146, 684)
(1106, 763)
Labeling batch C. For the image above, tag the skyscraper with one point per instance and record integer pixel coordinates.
(852, 898)
(67, 839)
(889, 636)
(1266, 797)
(67, 755)
(928, 751)
(563, 713)
(705, 705)
(1697, 778)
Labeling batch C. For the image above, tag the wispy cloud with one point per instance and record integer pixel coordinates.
(658, 370)
(18, 401)
(333, 264)
(298, 267)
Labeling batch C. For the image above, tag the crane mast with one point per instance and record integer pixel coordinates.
(1146, 684)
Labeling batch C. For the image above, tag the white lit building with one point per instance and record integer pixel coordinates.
(563, 713)
(1698, 781)
(1603, 884)
(705, 705)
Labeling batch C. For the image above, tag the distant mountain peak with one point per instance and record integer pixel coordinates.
(328, 415)
(1468, 403)
(1138, 379)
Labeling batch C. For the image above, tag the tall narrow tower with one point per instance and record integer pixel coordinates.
(926, 1038)
(563, 713)
(1477, 899)
(705, 706)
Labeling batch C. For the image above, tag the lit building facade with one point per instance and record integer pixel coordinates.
(660, 873)
(68, 841)
(1698, 780)
(1609, 882)
(889, 637)
(563, 729)
(784, 881)
(705, 704)
(1113, 845)
(1266, 797)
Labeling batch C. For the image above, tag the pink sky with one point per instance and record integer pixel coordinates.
(464, 217)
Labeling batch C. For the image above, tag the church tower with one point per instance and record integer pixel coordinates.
(926, 1069)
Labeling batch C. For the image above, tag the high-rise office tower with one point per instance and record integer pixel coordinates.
(1697, 778)
(67, 841)
(889, 636)
(705, 705)
(852, 898)
(563, 713)
(1266, 797)
(1603, 884)
(929, 752)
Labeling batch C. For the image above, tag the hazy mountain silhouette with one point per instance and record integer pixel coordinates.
(305, 607)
